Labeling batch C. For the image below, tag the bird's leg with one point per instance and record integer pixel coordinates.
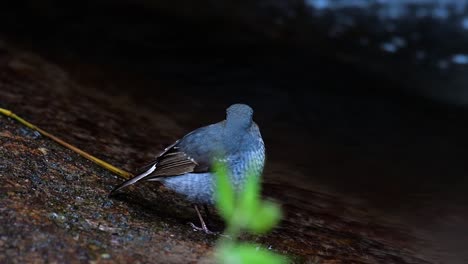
(203, 225)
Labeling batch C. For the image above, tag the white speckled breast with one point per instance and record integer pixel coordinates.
(199, 187)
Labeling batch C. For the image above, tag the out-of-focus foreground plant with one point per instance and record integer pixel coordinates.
(244, 211)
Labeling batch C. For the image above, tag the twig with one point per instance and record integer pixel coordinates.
(105, 165)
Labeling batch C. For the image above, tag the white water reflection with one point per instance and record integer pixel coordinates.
(394, 9)
(393, 45)
(464, 23)
(460, 58)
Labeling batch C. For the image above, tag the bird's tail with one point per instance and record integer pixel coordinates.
(133, 180)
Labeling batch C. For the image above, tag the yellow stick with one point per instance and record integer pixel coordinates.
(122, 173)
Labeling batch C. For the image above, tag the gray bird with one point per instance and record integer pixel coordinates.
(186, 166)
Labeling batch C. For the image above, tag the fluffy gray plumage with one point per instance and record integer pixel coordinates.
(185, 166)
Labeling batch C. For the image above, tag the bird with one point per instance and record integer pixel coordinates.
(187, 166)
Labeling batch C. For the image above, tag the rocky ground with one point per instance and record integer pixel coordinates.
(54, 204)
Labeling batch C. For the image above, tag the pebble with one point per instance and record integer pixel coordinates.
(43, 150)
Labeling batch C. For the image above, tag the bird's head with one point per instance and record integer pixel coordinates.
(239, 115)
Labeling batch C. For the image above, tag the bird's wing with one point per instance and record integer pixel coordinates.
(193, 153)
(184, 156)
(173, 162)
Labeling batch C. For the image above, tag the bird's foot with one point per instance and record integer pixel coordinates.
(203, 228)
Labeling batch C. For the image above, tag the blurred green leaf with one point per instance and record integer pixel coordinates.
(244, 211)
(266, 217)
(224, 193)
(248, 253)
(249, 198)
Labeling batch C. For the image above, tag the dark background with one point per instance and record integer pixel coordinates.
(359, 98)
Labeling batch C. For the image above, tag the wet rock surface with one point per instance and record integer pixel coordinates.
(54, 204)
(55, 209)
